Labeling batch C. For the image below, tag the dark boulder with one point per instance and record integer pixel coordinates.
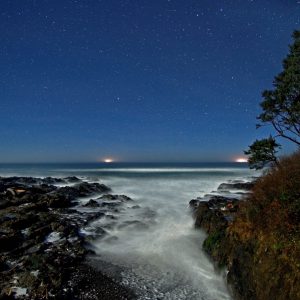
(214, 214)
(247, 186)
(52, 180)
(55, 200)
(94, 216)
(72, 179)
(121, 198)
(41, 189)
(209, 219)
(92, 203)
(135, 207)
(194, 204)
(11, 241)
(213, 217)
(22, 221)
(82, 190)
(4, 202)
(110, 204)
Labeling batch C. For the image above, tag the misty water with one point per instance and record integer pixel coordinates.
(150, 244)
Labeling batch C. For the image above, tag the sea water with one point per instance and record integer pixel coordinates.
(151, 245)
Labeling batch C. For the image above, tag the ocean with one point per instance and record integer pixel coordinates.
(150, 244)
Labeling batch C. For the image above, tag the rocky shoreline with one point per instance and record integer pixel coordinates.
(45, 254)
(214, 214)
(43, 251)
(255, 238)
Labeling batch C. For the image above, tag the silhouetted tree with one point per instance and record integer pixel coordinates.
(262, 152)
(281, 108)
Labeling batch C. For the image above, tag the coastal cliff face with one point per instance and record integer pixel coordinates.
(258, 238)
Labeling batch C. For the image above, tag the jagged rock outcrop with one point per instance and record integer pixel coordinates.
(42, 251)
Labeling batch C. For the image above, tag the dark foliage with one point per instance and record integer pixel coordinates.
(262, 152)
(280, 108)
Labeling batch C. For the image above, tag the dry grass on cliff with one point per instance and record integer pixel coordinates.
(275, 202)
(269, 225)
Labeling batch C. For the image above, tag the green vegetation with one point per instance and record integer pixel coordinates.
(280, 109)
(213, 240)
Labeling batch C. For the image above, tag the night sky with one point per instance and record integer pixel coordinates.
(137, 80)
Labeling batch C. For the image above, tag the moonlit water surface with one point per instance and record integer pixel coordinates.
(165, 260)
(151, 241)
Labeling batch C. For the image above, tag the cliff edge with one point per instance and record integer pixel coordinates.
(258, 238)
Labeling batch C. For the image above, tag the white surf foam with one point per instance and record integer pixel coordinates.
(163, 260)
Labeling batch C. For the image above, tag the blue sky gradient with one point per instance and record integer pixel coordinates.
(137, 80)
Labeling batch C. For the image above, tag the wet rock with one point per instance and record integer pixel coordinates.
(121, 198)
(92, 203)
(41, 189)
(111, 217)
(22, 221)
(51, 180)
(221, 202)
(100, 231)
(10, 242)
(110, 204)
(135, 207)
(19, 180)
(124, 198)
(94, 216)
(236, 186)
(72, 179)
(194, 204)
(82, 190)
(40, 240)
(108, 197)
(8, 217)
(209, 219)
(3, 264)
(4, 203)
(28, 181)
(34, 249)
(214, 214)
(39, 233)
(55, 200)
(10, 192)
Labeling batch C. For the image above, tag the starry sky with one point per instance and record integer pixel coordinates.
(137, 80)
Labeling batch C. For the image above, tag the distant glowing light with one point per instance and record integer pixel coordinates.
(108, 160)
(241, 160)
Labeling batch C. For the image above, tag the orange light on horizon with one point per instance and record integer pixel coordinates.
(108, 160)
(241, 160)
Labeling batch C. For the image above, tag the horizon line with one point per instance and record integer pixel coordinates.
(125, 162)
